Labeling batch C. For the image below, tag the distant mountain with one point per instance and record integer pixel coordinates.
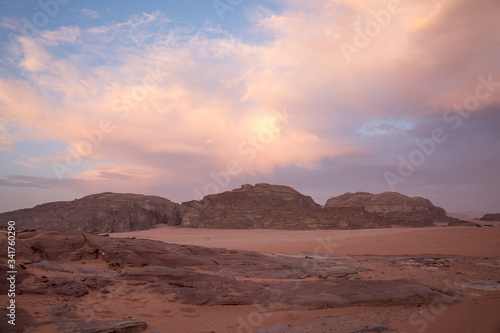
(104, 212)
(466, 215)
(459, 216)
(273, 207)
(248, 207)
(491, 217)
(414, 211)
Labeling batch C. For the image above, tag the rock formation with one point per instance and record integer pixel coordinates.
(398, 208)
(491, 217)
(265, 206)
(189, 275)
(261, 206)
(104, 212)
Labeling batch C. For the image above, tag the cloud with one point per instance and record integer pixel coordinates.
(178, 116)
(60, 36)
(34, 182)
(211, 97)
(10, 23)
(384, 126)
(90, 13)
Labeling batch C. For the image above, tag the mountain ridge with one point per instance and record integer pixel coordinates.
(250, 206)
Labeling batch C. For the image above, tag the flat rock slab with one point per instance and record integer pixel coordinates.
(113, 326)
(486, 285)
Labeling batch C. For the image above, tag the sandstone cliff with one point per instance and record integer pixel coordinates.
(262, 206)
(104, 212)
(273, 207)
(397, 207)
(491, 217)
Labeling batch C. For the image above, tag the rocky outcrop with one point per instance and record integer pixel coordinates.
(104, 212)
(265, 206)
(202, 276)
(111, 326)
(461, 223)
(491, 217)
(262, 206)
(398, 208)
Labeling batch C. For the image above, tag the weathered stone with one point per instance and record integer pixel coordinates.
(200, 276)
(5, 284)
(104, 212)
(491, 217)
(265, 206)
(259, 206)
(96, 282)
(84, 253)
(23, 320)
(50, 266)
(112, 326)
(67, 286)
(115, 251)
(22, 250)
(36, 289)
(55, 245)
(399, 208)
(461, 223)
(65, 310)
(89, 270)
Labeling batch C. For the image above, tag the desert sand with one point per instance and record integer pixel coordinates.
(460, 262)
(466, 241)
(467, 253)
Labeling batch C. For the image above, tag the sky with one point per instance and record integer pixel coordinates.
(187, 98)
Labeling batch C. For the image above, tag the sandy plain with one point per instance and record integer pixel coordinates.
(464, 258)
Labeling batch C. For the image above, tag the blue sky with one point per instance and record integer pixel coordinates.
(167, 98)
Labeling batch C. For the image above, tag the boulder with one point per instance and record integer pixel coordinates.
(55, 244)
(84, 253)
(67, 286)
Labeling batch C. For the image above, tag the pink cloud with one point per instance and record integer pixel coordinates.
(211, 96)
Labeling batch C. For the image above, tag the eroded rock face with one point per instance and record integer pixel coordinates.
(397, 207)
(491, 217)
(262, 206)
(265, 206)
(104, 212)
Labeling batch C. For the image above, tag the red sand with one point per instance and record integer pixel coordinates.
(466, 241)
(471, 254)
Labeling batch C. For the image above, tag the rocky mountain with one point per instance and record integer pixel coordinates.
(104, 212)
(491, 217)
(265, 206)
(397, 207)
(262, 206)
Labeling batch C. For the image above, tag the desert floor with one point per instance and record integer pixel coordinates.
(464, 258)
(465, 241)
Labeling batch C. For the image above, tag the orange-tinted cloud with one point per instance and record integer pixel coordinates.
(181, 104)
